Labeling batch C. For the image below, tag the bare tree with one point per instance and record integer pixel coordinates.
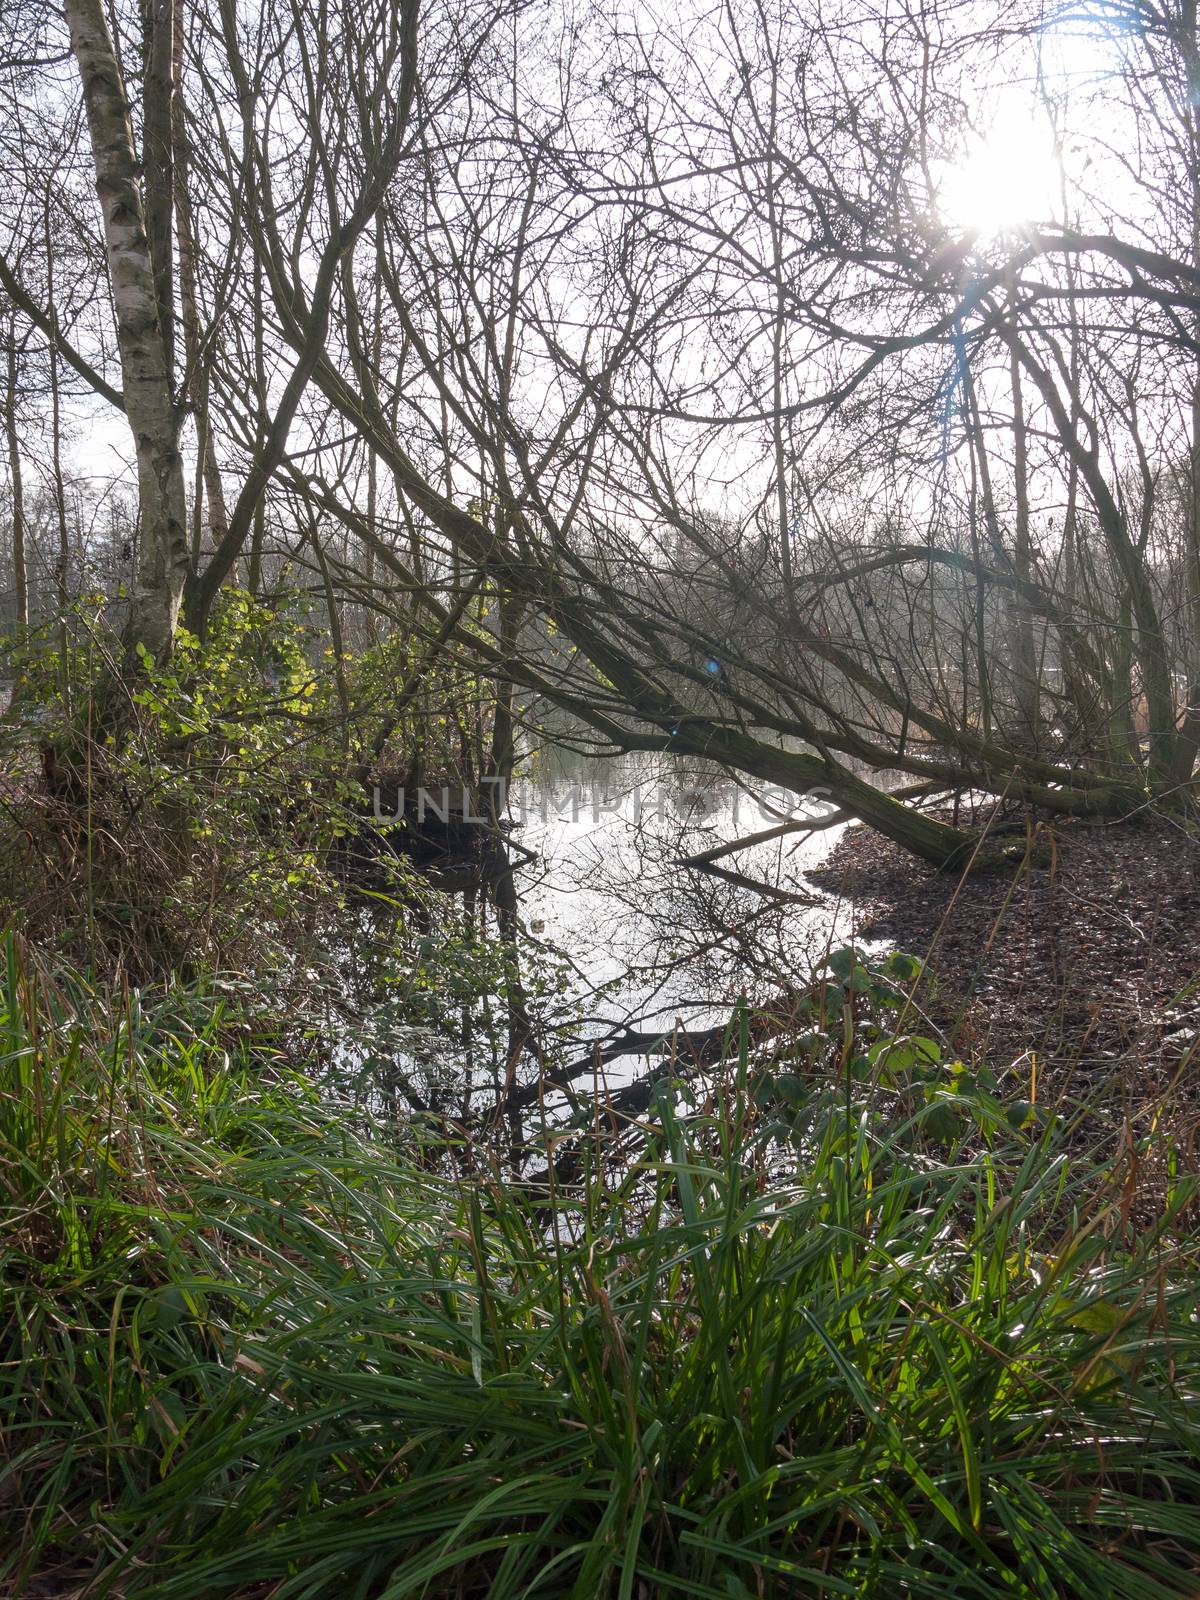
(669, 336)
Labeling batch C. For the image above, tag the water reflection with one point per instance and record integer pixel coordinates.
(630, 917)
(651, 938)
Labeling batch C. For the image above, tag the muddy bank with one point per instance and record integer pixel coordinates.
(1092, 960)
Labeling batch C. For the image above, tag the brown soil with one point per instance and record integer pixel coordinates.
(1092, 959)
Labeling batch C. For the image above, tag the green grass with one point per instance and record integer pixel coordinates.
(245, 1351)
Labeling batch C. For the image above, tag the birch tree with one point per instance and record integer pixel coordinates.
(143, 314)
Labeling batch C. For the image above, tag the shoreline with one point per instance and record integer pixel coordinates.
(1092, 959)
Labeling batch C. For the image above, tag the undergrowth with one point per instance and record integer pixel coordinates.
(245, 1350)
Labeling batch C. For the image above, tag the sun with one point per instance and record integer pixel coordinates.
(1004, 180)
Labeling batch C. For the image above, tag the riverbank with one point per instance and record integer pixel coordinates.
(1091, 959)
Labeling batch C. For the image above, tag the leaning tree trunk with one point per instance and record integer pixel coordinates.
(141, 338)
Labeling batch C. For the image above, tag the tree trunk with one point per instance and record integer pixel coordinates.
(1024, 654)
(921, 835)
(158, 77)
(1150, 649)
(141, 339)
(1189, 732)
(62, 562)
(208, 473)
(20, 567)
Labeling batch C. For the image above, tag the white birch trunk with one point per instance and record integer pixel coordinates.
(149, 405)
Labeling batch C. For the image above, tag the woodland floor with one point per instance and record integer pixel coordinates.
(1091, 960)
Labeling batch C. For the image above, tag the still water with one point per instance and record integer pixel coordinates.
(651, 939)
(632, 920)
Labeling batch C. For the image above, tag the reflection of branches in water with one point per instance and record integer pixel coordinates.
(677, 925)
(640, 942)
(415, 1009)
